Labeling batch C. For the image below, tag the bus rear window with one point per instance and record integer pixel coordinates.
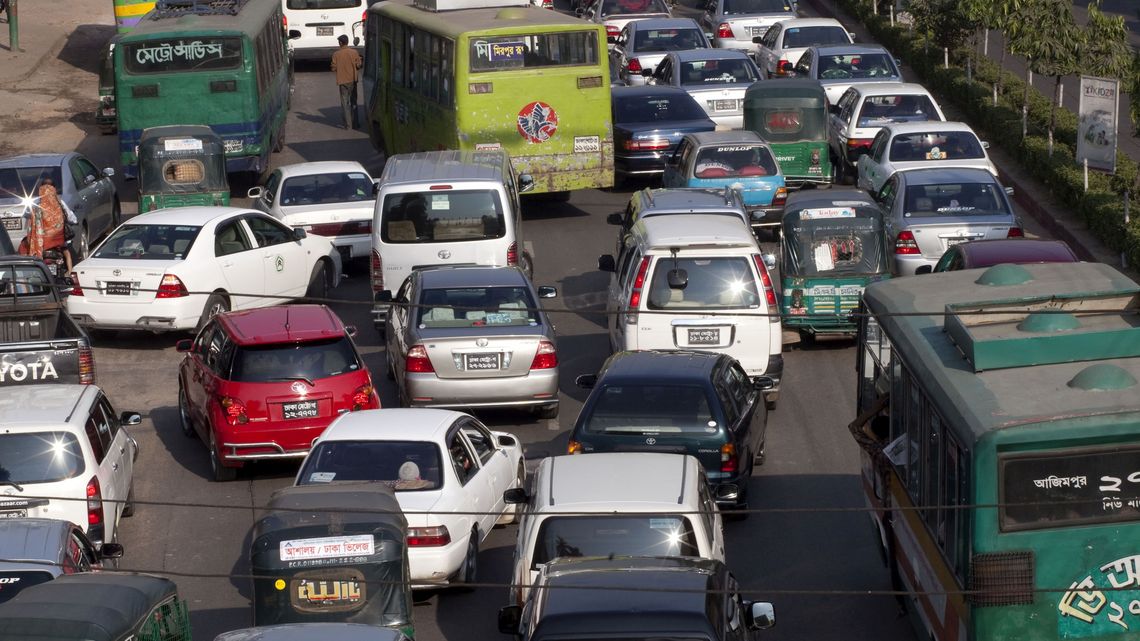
(1076, 487)
(445, 215)
(191, 53)
(537, 50)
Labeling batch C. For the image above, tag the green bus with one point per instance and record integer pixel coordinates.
(440, 74)
(998, 415)
(221, 63)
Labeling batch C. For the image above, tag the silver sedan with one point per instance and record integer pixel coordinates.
(468, 337)
(715, 78)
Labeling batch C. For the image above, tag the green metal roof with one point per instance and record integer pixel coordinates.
(504, 20)
(249, 20)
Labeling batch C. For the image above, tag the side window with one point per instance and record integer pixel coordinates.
(404, 292)
(739, 385)
(230, 238)
(482, 441)
(772, 36)
(168, 622)
(633, 256)
(215, 353)
(271, 185)
(78, 553)
(86, 169)
(268, 232)
(77, 175)
(679, 156)
(879, 146)
(110, 420)
(202, 343)
(708, 507)
(847, 106)
(886, 195)
(803, 67)
(99, 441)
(727, 400)
(461, 457)
(957, 262)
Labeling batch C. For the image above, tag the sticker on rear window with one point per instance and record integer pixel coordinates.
(440, 202)
(663, 524)
(322, 477)
(827, 212)
(498, 318)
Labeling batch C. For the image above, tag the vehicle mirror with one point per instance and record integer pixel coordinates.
(923, 269)
(526, 183)
(294, 34)
(769, 261)
(611, 40)
(985, 145)
(255, 192)
(614, 219)
(509, 619)
(851, 34)
(1009, 191)
(586, 381)
(757, 39)
(898, 62)
(299, 233)
(606, 263)
(130, 418)
(111, 551)
(515, 496)
(764, 383)
(833, 108)
(356, 41)
(384, 296)
(546, 291)
(762, 615)
(648, 73)
(506, 440)
(184, 345)
(678, 278)
(108, 172)
(89, 179)
(376, 188)
(350, 330)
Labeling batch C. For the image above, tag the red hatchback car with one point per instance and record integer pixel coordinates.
(263, 384)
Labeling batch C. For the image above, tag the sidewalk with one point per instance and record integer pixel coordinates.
(44, 30)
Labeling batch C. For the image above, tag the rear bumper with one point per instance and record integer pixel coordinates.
(155, 315)
(268, 441)
(436, 566)
(538, 388)
(648, 163)
(906, 265)
(767, 216)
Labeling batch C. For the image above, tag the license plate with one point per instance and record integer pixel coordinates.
(759, 31)
(330, 593)
(324, 31)
(116, 288)
(14, 514)
(724, 105)
(14, 223)
(950, 242)
(850, 290)
(704, 336)
(823, 290)
(299, 409)
(482, 361)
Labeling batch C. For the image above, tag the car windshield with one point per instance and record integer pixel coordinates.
(712, 283)
(39, 457)
(733, 161)
(880, 110)
(649, 40)
(451, 215)
(936, 145)
(405, 466)
(17, 183)
(308, 361)
(618, 7)
(604, 535)
(799, 37)
(320, 189)
(756, 6)
(476, 307)
(705, 72)
(651, 108)
(149, 242)
(856, 65)
(649, 408)
(954, 199)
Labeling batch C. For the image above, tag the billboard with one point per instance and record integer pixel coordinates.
(1097, 119)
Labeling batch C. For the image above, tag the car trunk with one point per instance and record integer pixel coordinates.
(650, 438)
(720, 100)
(493, 353)
(121, 282)
(330, 214)
(935, 237)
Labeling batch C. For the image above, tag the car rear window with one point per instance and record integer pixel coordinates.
(797, 37)
(442, 215)
(647, 40)
(650, 409)
(936, 146)
(858, 65)
(733, 161)
(149, 242)
(707, 72)
(713, 283)
(18, 183)
(402, 465)
(309, 361)
(476, 307)
(602, 535)
(954, 199)
(40, 457)
(320, 189)
(643, 108)
(14, 582)
(756, 6)
(880, 110)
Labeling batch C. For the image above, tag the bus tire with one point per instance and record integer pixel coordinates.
(279, 142)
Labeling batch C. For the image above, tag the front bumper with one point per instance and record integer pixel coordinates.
(538, 388)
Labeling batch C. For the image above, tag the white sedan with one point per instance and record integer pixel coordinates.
(920, 145)
(449, 473)
(332, 199)
(174, 269)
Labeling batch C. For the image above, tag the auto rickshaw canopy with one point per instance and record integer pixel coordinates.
(179, 159)
(790, 110)
(832, 232)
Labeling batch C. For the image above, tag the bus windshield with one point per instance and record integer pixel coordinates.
(190, 53)
(572, 48)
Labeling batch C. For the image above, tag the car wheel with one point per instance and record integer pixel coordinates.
(526, 264)
(116, 215)
(547, 412)
(469, 572)
(836, 172)
(318, 282)
(82, 243)
(184, 418)
(215, 304)
(129, 505)
(220, 472)
(770, 401)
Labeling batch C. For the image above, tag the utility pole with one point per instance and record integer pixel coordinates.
(13, 27)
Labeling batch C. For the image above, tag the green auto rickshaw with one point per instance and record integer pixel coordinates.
(792, 116)
(334, 552)
(181, 165)
(832, 244)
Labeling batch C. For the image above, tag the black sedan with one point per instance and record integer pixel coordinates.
(649, 122)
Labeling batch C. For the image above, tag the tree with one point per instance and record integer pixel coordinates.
(995, 15)
(943, 21)
(1050, 40)
(1107, 52)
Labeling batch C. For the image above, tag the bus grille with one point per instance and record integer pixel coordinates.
(1001, 578)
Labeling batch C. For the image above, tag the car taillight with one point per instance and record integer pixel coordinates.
(377, 272)
(784, 68)
(417, 360)
(612, 31)
(651, 144)
(859, 144)
(766, 283)
(781, 197)
(364, 16)
(728, 458)
(285, 23)
(635, 293)
(171, 287)
(86, 366)
(573, 447)
(76, 290)
(905, 244)
(724, 31)
(419, 537)
(94, 503)
(235, 411)
(546, 357)
(1015, 232)
(513, 253)
(362, 398)
(634, 65)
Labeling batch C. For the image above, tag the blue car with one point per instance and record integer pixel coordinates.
(738, 159)
(649, 122)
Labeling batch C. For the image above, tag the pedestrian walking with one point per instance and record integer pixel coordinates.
(345, 65)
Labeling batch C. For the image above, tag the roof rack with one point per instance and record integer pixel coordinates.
(179, 8)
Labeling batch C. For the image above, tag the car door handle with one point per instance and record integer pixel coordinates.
(227, 263)
(114, 466)
(122, 449)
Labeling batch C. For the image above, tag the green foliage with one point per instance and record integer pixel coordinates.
(1106, 51)
(945, 21)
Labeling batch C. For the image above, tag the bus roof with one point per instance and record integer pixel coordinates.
(978, 368)
(250, 19)
(491, 19)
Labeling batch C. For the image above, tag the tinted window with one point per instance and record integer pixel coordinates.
(12, 582)
(320, 189)
(402, 465)
(476, 307)
(756, 6)
(23, 280)
(726, 161)
(642, 535)
(20, 182)
(935, 146)
(230, 238)
(480, 439)
(706, 72)
(614, 7)
(879, 110)
(40, 457)
(721, 283)
(797, 37)
(308, 361)
(857, 65)
(149, 242)
(197, 53)
(645, 40)
(649, 408)
(954, 199)
(652, 108)
(268, 232)
(443, 216)
(322, 4)
(537, 50)
(461, 457)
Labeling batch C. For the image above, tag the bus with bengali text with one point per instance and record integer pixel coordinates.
(998, 418)
(220, 63)
(494, 74)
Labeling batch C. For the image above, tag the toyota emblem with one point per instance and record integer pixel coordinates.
(651, 441)
(117, 272)
(481, 342)
(444, 254)
(298, 387)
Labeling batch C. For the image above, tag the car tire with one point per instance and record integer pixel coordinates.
(184, 418)
(129, 504)
(219, 472)
(469, 571)
(547, 412)
(770, 402)
(526, 264)
(116, 215)
(215, 304)
(318, 282)
(82, 244)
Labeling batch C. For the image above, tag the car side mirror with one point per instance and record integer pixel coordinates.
(985, 145)
(606, 263)
(356, 41)
(255, 192)
(586, 381)
(350, 330)
(184, 345)
(526, 183)
(376, 188)
(546, 291)
(383, 297)
(833, 109)
(764, 383)
(111, 551)
(851, 34)
(1009, 191)
(130, 418)
(648, 73)
(506, 440)
(299, 233)
(294, 34)
(108, 172)
(769, 260)
(758, 40)
(761, 614)
(515, 496)
(614, 219)
(509, 617)
(611, 40)
(89, 179)
(923, 269)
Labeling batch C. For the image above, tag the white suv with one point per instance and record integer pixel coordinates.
(315, 25)
(66, 441)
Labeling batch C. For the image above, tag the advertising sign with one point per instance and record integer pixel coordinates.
(1097, 120)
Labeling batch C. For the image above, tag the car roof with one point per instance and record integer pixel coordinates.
(448, 165)
(671, 199)
(663, 23)
(40, 406)
(690, 230)
(889, 88)
(439, 277)
(836, 50)
(32, 540)
(416, 424)
(939, 175)
(660, 365)
(657, 480)
(986, 253)
(726, 137)
(834, 197)
(191, 216)
(34, 160)
(809, 22)
(282, 324)
(899, 128)
(689, 55)
(322, 167)
(310, 631)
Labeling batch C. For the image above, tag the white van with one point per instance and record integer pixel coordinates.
(696, 281)
(315, 25)
(445, 208)
(661, 507)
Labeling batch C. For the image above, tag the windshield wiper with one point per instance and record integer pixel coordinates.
(13, 484)
(290, 378)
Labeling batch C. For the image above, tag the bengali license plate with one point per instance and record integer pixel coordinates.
(850, 290)
(330, 594)
(14, 514)
(15, 224)
(116, 288)
(950, 242)
(487, 361)
(299, 409)
(704, 335)
(724, 105)
(324, 31)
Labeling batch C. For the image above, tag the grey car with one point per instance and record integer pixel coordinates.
(837, 67)
(732, 24)
(36, 551)
(643, 44)
(88, 191)
(615, 14)
(930, 210)
(715, 78)
(470, 337)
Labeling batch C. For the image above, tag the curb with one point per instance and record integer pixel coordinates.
(52, 52)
